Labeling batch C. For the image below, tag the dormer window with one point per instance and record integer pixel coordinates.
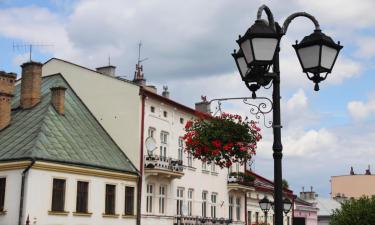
(152, 109)
(165, 113)
(181, 120)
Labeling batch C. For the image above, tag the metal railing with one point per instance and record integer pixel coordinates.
(196, 220)
(161, 162)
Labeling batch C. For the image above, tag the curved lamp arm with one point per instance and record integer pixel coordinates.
(298, 14)
(265, 8)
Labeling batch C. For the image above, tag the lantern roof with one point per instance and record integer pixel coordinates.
(317, 37)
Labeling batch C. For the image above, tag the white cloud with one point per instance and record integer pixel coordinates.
(360, 110)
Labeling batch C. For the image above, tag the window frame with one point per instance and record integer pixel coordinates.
(180, 200)
(132, 213)
(204, 203)
(190, 201)
(149, 197)
(64, 194)
(87, 197)
(106, 211)
(3, 194)
(162, 199)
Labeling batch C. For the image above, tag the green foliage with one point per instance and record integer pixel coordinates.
(285, 184)
(355, 212)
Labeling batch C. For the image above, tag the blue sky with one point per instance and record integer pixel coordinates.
(324, 132)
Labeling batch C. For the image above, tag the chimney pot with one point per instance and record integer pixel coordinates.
(107, 70)
(204, 106)
(165, 92)
(30, 84)
(58, 99)
(7, 86)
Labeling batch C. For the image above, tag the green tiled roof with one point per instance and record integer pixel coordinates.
(75, 138)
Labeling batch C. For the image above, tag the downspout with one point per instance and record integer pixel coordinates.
(139, 193)
(24, 172)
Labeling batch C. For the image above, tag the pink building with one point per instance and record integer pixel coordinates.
(305, 213)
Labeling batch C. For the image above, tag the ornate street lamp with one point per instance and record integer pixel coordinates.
(317, 54)
(265, 205)
(287, 205)
(259, 52)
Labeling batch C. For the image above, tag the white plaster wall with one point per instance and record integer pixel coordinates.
(194, 178)
(38, 199)
(12, 196)
(114, 103)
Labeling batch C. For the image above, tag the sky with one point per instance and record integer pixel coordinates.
(188, 46)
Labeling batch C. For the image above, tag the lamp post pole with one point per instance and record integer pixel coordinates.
(277, 146)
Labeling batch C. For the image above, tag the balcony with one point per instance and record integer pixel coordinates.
(192, 220)
(163, 167)
(240, 182)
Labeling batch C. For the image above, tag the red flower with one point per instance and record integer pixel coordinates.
(228, 146)
(228, 164)
(216, 143)
(216, 152)
(188, 124)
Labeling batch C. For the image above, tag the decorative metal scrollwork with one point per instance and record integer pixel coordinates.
(259, 107)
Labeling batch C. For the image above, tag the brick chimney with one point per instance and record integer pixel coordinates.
(58, 99)
(7, 81)
(107, 70)
(30, 84)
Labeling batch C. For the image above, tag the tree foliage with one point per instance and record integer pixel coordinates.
(355, 211)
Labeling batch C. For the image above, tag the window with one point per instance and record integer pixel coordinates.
(231, 207)
(110, 199)
(151, 132)
(287, 220)
(2, 193)
(165, 113)
(256, 217)
(190, 159)
(82, 196)
(190, 202)
(213, 168)
(238, 209)
(204, 204)
(180, 149)
(150, 192)
(213, 205)
(58, 195)
(237, 167)
(129, 200)
(152, 109)
(162, 199)
(164, 137)
(230, 170)
(181, 120)
(204, 165)
(248, 217)
(180, 200)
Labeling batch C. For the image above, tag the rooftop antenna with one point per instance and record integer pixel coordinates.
(28, 47)
(139, 54)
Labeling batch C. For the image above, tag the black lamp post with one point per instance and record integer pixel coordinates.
(259, 52)
(265, 205)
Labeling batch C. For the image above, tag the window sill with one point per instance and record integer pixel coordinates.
(205, 171)
(191, 168)
(215, 173)
(87, 214)
(58, 213)
(128, 216)
(110, 215)
(3, 213)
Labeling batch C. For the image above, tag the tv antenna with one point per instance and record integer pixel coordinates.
(139, 54)
(28, 47)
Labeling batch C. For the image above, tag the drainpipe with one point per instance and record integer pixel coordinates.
(23, 189)
(139, 194)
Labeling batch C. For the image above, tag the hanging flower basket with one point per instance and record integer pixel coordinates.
(223, 140)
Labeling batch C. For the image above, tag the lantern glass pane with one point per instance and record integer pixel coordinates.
(247, 51)
(287, 206)
(309, 56)
(328, 57)
(242, 66)
(263, 205)
(264, 48)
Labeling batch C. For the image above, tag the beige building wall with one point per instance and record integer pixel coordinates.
(353, 185)
(116, 104)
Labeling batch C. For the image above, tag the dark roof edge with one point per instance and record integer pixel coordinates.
(268, 181)
(150, 94)
(67, 163)
(105, 131)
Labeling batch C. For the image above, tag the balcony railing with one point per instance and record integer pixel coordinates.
(163, 166)
(240, 182)
(191, 220)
